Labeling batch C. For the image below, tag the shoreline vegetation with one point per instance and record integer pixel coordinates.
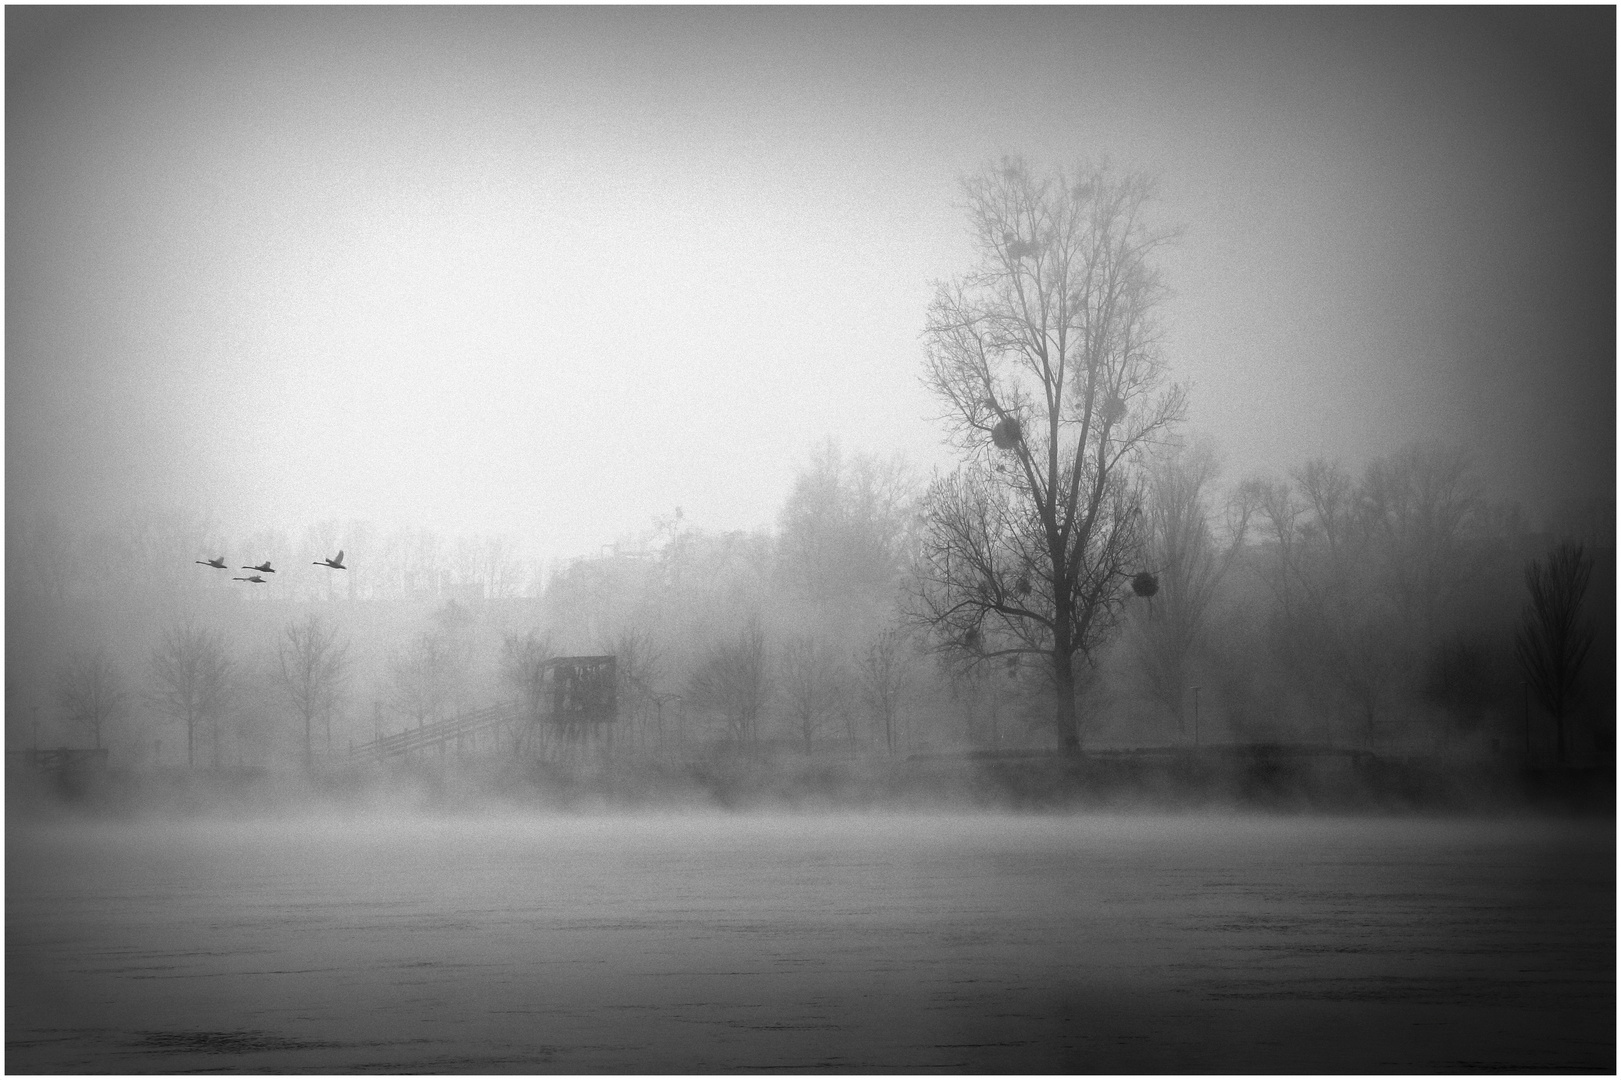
(1260, 777)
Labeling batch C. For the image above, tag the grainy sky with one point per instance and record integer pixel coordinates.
(552, 272)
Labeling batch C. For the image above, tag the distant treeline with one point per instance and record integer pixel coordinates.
(1377, 610)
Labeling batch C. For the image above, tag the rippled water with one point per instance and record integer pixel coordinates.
(820, 943)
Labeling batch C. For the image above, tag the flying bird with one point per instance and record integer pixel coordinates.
(336, 564)
(263, 568)
(255, 578)
(218, 564)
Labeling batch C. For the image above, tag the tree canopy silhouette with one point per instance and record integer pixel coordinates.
(1046, 357)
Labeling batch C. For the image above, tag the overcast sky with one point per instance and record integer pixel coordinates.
(552, 272)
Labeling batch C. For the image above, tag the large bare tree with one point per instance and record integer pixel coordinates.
(312, 666)
(1046, 356)
(92, 693)
(191, 680)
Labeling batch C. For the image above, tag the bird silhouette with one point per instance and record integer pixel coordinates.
(263, 568)
(255, 578)
(336, 564)
(218, 564)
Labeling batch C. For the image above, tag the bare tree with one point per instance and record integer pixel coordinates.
(1363, 659)
(1333, 627)
(313, 664)
(810, 683)
(1553, 641)
(92, 693)
(191, 681)
(885, 674)
(523, 668)
(524, 661)
(1333, 524)
(410, 563)
(423, 677)
(500, 568)
(1421, 507)
(1459, 677)
(638, 669)
(1279, 513)
(844, 525)
(457, 627)
(41, 555)
(1047, 359)
(731, 678)
(1188, 566)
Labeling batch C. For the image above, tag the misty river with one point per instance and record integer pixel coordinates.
(862, 942)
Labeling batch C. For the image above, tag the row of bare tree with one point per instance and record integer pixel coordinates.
(1363, 602)
(813, 687)
(192, 678)
(1346, 596)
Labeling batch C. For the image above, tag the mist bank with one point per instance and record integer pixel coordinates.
(1268, 778)
(1316, 609)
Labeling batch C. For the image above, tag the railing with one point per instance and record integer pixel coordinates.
(438, 734)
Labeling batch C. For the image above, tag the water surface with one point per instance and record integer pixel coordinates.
(708, 943)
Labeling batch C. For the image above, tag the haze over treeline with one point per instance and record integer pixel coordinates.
(1262, 390)
(1315, 605)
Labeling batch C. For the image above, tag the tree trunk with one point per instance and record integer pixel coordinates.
(1069, 735)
